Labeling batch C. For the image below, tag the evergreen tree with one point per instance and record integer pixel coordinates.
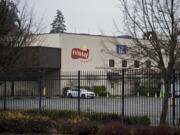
(15, 33)
(9, 21)
(9, 31)
(58, 25)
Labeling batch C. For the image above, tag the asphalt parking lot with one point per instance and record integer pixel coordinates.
(133, 106)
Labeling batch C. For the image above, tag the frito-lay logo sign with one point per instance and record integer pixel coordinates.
(80, 53)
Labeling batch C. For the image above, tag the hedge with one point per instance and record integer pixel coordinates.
(18, 122)
(151, 90)
(99, 117)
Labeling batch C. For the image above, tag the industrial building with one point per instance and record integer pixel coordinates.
(56, 55)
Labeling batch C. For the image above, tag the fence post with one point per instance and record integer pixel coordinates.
(40, 96)
(123, 72)
(79, 93)
(5, 101)
(173, 96)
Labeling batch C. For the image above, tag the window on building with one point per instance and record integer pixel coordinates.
(124, 63)
(121, 49)
(111, 63)
(148, 64)
(136, 64)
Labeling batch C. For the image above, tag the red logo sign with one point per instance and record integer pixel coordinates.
(77, 53)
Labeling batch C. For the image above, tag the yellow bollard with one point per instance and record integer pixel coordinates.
(161, 94)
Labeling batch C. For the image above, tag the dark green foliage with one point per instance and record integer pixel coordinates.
(68, 122)
(100, 90)
(151, 90)
(59, 114)
(53, 114)
(9, 20)
(85, 128)
(142, 120)
(15, 32)
(65, 89)
(102, 117)
(108, 117)
(99, 117)
(16, 122)
(114, 128)
(58, 24)
(9, 27)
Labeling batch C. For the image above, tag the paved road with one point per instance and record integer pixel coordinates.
(133, 106)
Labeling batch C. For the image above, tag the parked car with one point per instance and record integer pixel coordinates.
(83, 93)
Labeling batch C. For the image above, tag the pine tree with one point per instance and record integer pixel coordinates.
(58, 25)
(15, 32)
(9, 21)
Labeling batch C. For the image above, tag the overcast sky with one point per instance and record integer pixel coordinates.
(82, 16)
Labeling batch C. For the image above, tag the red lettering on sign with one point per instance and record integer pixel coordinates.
(77, 53)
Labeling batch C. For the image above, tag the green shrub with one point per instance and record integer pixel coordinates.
(99, 90)
(53, 114)
(17, 122)
(151, 90)
(102, 117)
(59, 114)
(142, 120)
(65, 89)
(12, 115)
(95, 116)
(107, 117)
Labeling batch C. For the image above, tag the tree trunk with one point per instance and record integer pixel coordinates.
(167, 81)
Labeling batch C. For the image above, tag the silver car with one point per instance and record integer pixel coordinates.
(83, 93)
